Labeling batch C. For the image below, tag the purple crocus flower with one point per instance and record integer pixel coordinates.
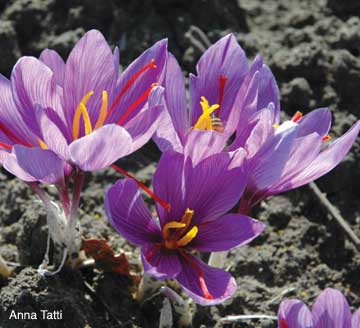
(228, 98)
(217, 94)
(79, 114)
(289, 155)
(330, 310)
(60, 119)
(194, 219)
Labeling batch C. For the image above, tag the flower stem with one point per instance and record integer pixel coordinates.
(64, 196)
(78, 184)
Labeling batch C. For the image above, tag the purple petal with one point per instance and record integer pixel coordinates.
(42, 164)
(33, 85)
(143, 126)
(175, 97)
(9, 115)
(268, 91)
(165, 136)
(11, 165)
(159, 262)
(90, 67)
(101, 148)
(54, 61)
(128, 214)
(261, 131)
(168, 183)
(196, 275)
(202, 144)
(303, 152)
(331, 310)
(141, 84)
(355, 323)
(318, 120)
(328, 158)
(224, 58)
(266, 166)
(294, 314)
(215, 185)
(257, 92)
(226, 232)
(52, 136)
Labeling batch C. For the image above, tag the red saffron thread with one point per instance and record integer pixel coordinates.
(152, 252)
(137, 102)
(4, 145)
(297, 117)
(202, 282)
(283, 324)
(222, 81)
(164, 204)
(326, 138)
(132, 80)
(12, 136)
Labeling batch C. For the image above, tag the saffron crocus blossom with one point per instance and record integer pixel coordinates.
(60, 119)
(228, 98)
(330, 310)
(191, 216)
(222, 89)
(289, 155)
(81, 110)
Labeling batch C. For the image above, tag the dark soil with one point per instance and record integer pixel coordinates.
(313, 48)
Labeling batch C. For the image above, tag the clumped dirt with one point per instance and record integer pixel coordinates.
(313, 48)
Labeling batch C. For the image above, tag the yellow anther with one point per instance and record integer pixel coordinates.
(204, 121)
(190, 235)
(172, 225)
(103, 111)
(42, 144)
(186, 219)
(82, 110)
(275, 126)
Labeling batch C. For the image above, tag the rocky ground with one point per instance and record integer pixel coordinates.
(313, 49)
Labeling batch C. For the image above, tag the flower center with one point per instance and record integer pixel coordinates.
(176, 233)
(81, 110)
(207, 121)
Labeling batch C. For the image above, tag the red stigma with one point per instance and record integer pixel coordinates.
(283, 324)
(202, 282)
(151, 253)
(298, 115)
(4, 145)
(132, 80)
(164, 204)
(136, 103)
(326, 138)
(12, 136)
(222, 82)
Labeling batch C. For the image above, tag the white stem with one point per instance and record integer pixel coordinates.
(235, 318)
(166, 316)
(148, 286)
(217, 259)
(45, 272)
(181, 307)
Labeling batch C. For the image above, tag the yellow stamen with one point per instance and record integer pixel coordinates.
(42, 144)
(186, 219)
(103, 110)
(190, 235)
(204, 121)
(82, 110)
(172, 225)
(275, 126)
